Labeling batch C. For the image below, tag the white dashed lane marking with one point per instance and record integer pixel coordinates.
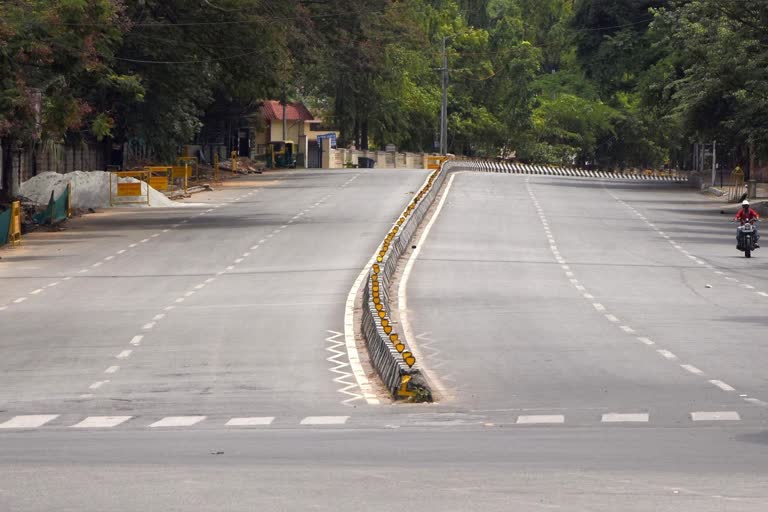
(541, 419)
(667, 354)
(625, 418)
(722, 385)
(716, 416)
(250, 422)
(324, 420)
(177, 421)
(101, 421)
(29, 421)
(692, 369)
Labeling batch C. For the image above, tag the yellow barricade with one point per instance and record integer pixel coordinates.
(192, 163)
(434, 162)
(158, 177)
(14, 235)
(183, 174)
(128, 190)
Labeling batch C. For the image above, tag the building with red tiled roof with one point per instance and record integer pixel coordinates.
(272, 110)
(301, 127)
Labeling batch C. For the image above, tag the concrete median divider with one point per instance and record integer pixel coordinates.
(389, 352)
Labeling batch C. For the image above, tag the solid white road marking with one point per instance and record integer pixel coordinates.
(19, 300)
(136, 339)
(200, 286)
(249, 422)
(625, 418)
(35, 292)
(29, 421)
(541, 419)
(177, 421)
(155, 235)
(210, 280)
(667, 354)
(189, 294)
(324, 420)
(715, 416)
(112, 369)
(692, 369)
(55, 283)
(101, 421)
(124, 354)
(722, 385)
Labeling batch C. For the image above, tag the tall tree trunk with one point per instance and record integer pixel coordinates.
(7, 169)
(364, 134)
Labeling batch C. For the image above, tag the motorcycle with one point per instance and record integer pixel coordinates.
(747, 238)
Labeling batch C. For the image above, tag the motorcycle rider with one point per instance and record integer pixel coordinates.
(747, 214)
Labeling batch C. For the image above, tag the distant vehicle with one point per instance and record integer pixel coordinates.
(282, 155)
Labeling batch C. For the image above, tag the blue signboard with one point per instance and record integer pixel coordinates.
(329, 136)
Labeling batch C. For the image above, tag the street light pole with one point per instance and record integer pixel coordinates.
(444, 105)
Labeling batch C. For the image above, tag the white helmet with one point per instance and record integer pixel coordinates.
(745, 203)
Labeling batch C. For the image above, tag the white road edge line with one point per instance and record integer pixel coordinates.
(402, 295)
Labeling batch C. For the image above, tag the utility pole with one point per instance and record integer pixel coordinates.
(444, 105)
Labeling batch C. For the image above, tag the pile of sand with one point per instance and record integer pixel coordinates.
(89, 189)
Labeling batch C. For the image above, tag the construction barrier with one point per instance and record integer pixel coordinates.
(192, 163)
(128, 192)
(58, 210)
(10, 225)
(434, 162)
(159, 177)
(180, 176)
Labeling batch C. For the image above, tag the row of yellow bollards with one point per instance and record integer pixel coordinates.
(376, 282)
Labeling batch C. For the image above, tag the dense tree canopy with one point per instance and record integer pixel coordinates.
(602, 82)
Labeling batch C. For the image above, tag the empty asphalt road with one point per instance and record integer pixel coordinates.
(597, 347)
